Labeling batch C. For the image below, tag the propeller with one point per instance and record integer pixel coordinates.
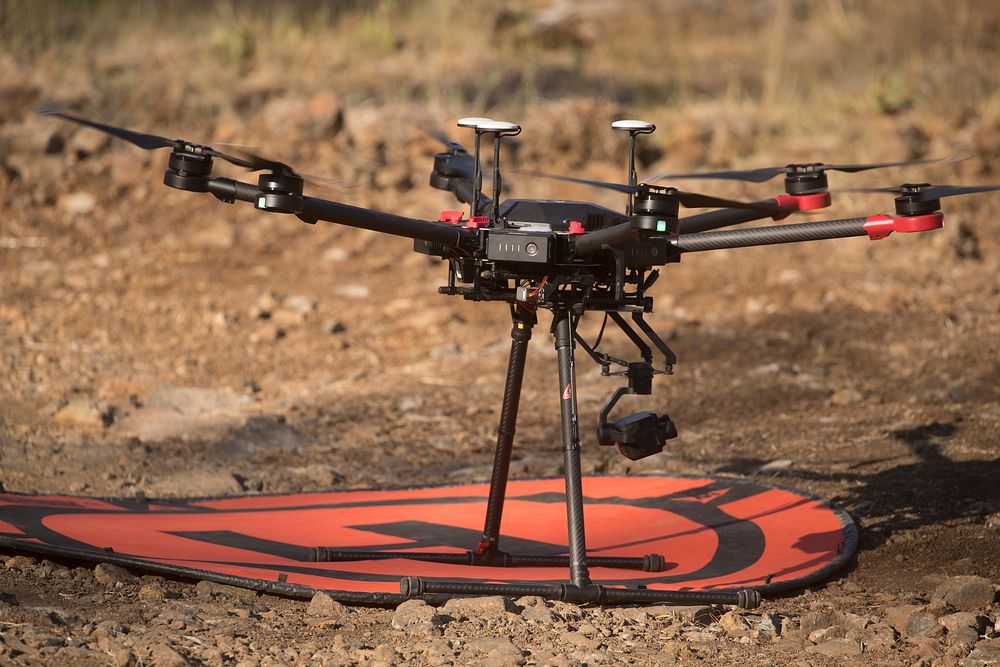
(152, 142)
(441, 138)
(688, 199)
(767, 173)
(928, 192)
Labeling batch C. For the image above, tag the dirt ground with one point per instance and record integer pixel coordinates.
(161, 343)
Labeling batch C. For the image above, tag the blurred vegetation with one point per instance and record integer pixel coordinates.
(887, 56)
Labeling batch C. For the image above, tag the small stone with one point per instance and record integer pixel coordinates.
(818, 620)
(414, 613)
(701, 614)
(80, 412)
(165, 656)
(734, 624)
(923, 624)
(204, 589)
(899, 617)
(846, 397)
(334, 327)
(832, 632)
(965, 593)
(324, 606)
(114, 576)
(579, 639)
(963, 619)
(986, 652)
(78, 203)
(299, 304)
(490, 607)
(287, 318)
(964, 636)
(497, 647)
(383, 654)
(837, 648)
(151, 592)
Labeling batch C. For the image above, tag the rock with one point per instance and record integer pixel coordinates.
(923, 624)
(151, 592)
(899, 617)
(985, 652)
(383, 654)
(114, 576)
(832, 632)
(701, 614)
(163, 655)
(734, 624)
(324, 606)
(20, 564)
(965, 593)
(818, 620)
(964, 637)
(334, 327)
(963, 619)
(77, 203)
(81, 413)
(837, 648)
(195, 483)
(579, 639)
(286, 318)
(491, 607)
(299, 304)
(414, 613)
(497, 647)
(176, 412)
(846, 397)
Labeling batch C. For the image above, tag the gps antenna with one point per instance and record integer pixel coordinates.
(633, 127)
(499, 129)
(474, 122)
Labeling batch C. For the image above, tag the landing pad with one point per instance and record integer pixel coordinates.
(715, 533)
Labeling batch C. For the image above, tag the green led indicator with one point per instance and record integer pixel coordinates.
(661, 225)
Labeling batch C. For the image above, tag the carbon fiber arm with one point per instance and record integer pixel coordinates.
(743, 238)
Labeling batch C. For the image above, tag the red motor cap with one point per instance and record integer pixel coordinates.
(576, 227)
(454, 217)
(879, 226)
(808, 202)
(477, 221)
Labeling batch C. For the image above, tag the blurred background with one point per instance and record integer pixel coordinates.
(185, 344)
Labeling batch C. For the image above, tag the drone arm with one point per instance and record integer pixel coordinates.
(875, 227)
(313, 210)
(447, 235)
(727, 217)
(616, 235)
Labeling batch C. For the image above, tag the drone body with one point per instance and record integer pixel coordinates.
(569, 258)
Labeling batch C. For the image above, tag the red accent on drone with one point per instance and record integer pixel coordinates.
(576, 227)
(454, 217)
(810, 202)
(477, 221)
(567, 392)
(881, 225)
(482, 547)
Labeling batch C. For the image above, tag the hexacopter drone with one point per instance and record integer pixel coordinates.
(570, 258)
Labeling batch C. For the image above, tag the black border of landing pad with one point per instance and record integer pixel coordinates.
(848, 546)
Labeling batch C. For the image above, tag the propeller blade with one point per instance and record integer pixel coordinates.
(767, 173)
(853, 168)
(697, 200)
(752, 175)
(443, 139)
(252, 161)
(140, 139)
(932, 191)
(618, 187)
(938, 191)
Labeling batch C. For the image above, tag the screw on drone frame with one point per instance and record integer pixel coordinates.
(499, 128)
(474, 122)
(633, 127)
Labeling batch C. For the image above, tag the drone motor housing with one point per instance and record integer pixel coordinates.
(279, 193)
(188, 170)
(803, 179)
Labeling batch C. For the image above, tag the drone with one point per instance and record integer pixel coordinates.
(569, 258)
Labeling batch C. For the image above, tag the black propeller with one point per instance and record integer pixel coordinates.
(767, 173)
(927, 192)
(152, 142)
(688, 199)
